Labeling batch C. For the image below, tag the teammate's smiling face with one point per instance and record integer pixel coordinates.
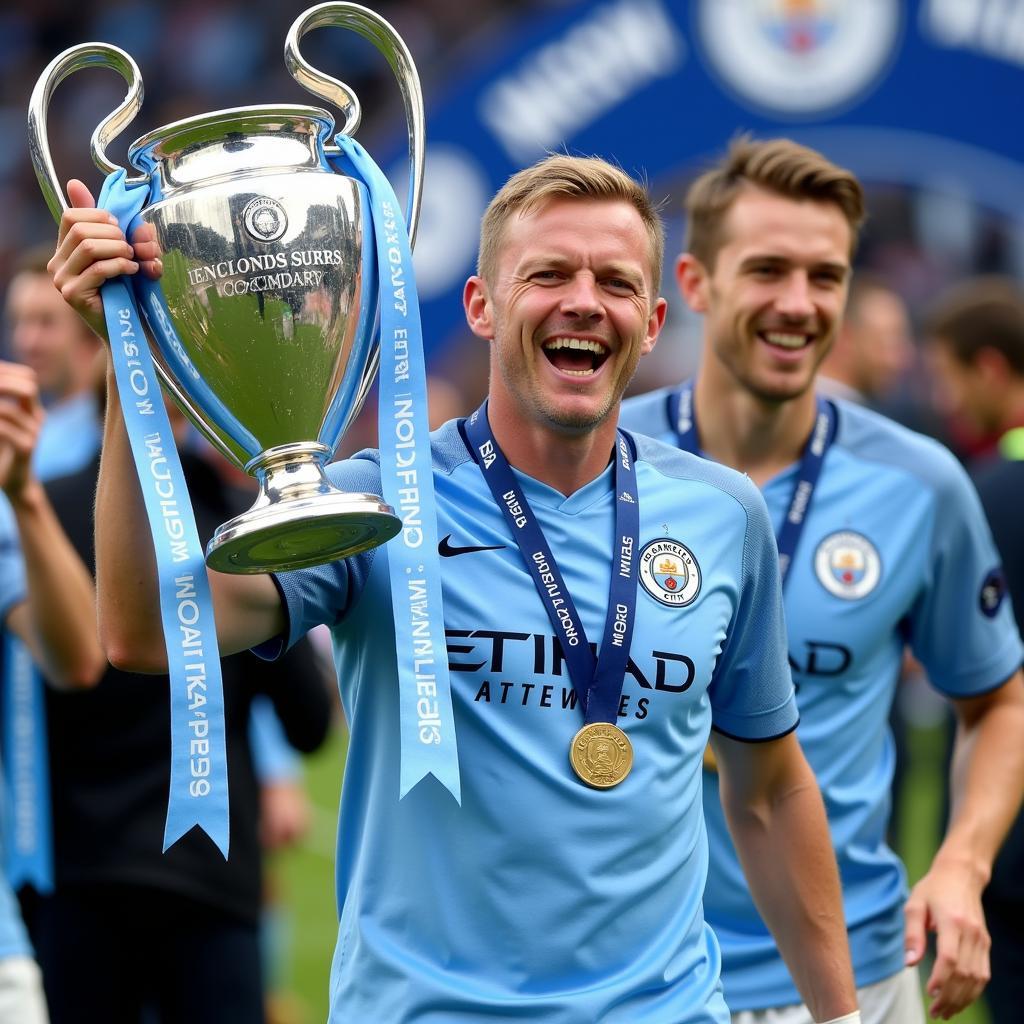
(569, 313)
(774, 297)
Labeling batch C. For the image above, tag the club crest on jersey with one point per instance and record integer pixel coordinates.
(669, 572)
(993, 590)
(847, 565)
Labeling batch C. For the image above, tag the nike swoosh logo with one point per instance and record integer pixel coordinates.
(445, 550)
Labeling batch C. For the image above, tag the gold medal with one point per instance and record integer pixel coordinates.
(601, 755)
(710, 761)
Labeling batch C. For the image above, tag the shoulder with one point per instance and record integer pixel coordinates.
(871, 438)
(675, 466)
(361, 472)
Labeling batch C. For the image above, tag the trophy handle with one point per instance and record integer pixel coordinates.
(96, 55)
(375, 29)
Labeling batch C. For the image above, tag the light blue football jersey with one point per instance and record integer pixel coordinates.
(895, 550)
(540, 899)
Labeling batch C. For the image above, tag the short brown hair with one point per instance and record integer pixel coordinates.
(776, 165)
(985, 312)
(567, 177)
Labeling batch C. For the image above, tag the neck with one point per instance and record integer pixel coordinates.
(563, 460)
(748, 433)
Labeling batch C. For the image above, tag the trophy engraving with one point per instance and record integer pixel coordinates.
(261, 324)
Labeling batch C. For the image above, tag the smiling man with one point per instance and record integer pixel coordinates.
(605, 599)
(881, 542)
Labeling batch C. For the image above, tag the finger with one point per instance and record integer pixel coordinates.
(79, 194)
(78, 235)
(915, 940)
(153, 269)
(947, 955)
(145, 250)
(79, 215)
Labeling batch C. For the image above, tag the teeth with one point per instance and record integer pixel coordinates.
(554, 344)
(786, 340)
(579, 373)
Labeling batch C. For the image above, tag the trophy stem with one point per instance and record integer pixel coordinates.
(299, 517)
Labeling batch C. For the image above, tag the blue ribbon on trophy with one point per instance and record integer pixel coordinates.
(199, 779)
(407, 482)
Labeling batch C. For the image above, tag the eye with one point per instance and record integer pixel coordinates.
(620, 285)
(546, 276)
(828, 278)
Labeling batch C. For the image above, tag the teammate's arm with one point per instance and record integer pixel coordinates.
(777, 821)
(987, 781)
(91, 249)
(57, 620)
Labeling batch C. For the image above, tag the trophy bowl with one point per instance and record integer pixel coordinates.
(261, 322)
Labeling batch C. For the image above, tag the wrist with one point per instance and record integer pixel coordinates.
(27, 498)
(974, 868)
(849, 1018)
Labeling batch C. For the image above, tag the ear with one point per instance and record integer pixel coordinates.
(655, 322)
(692, 279)
(476, 301)
(992, 366)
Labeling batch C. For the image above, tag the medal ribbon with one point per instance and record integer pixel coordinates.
(597, 681)
(427, 723)
(28, 829)
(683, 420)
(199, 781)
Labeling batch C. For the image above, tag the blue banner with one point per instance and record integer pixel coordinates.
(915, 92)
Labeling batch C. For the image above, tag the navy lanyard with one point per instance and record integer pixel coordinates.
(683, 421)
(597, 681)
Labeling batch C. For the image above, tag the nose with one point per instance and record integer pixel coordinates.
(795, 299)
(581, 299)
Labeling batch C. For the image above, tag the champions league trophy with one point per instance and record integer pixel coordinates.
(262, 321)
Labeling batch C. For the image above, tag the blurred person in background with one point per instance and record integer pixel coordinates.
(881, 541)
(47, 602)
(132, 934)
(874, 345)
(975, 340)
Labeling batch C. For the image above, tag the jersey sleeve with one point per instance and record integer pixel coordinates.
(324, 594)
(751, 688)
(961, 626)
(13, 587)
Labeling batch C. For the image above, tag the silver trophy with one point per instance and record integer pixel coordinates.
(261, 324)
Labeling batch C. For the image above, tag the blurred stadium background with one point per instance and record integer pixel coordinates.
(920, 97)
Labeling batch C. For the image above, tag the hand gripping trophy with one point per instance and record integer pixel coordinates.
(262, 324)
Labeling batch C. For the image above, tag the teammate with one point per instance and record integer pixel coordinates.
(975, 338)
(881, 541)
(540, 897)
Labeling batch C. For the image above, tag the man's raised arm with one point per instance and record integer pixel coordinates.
(91, 250)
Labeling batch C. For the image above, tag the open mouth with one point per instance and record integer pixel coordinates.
(578, 357)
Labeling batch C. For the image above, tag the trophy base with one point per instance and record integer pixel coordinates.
(296, 534)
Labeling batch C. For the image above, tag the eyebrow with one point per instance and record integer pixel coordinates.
(842, 269)
(551, 259)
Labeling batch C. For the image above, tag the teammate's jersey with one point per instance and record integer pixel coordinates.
(895, 550)
(540, 899)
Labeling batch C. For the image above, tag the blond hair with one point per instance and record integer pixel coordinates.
(566, 177)
(775, 165)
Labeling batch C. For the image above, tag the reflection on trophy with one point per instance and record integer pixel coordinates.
(262, 322)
